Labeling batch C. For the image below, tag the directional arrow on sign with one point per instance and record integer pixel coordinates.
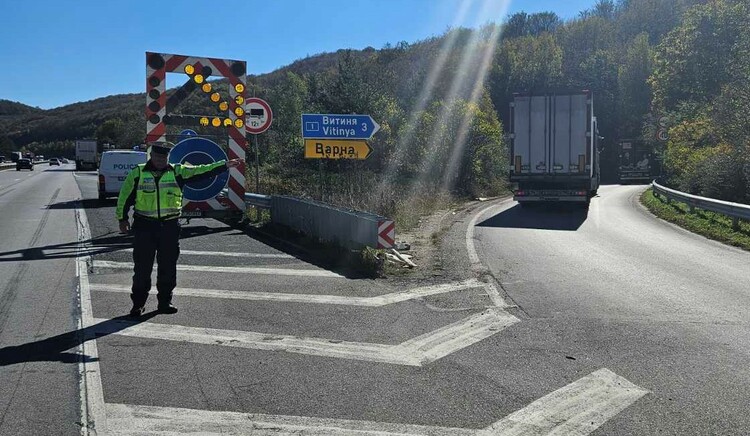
(336, 149)
(333, 126)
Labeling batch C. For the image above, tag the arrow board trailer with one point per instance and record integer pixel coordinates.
(554, 149)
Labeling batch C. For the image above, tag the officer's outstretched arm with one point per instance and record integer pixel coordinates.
(126, 199)
(185, 172)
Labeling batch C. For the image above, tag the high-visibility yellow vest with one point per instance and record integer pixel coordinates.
(162, 199)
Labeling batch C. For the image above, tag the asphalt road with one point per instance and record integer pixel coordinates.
(600, 322)
(38, 303)
(616, 287)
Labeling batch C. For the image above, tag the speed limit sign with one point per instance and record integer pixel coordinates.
(258, 115)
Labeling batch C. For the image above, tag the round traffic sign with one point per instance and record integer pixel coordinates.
(258, 115)
(195, 150)
(186, 134)
(663, 121)
(662, 135)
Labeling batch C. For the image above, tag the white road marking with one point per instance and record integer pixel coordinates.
(470, 246)
(231, 269)
(172, 421)
(576, 409)
(230, 254)
(419, 351)
(93, 412)
(376, 301)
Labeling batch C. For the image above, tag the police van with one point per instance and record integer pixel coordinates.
(114, 167)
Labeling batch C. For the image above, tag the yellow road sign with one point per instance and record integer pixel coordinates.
(336, 149)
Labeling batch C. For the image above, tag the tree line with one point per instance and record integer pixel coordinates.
(443, 102)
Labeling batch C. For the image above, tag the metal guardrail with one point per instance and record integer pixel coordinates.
(8, 166)
(258, 200)
(348, 228)
(736, 211)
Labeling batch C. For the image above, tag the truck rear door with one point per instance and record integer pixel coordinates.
(551, 134)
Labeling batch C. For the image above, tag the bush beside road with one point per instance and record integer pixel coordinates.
(704, 223)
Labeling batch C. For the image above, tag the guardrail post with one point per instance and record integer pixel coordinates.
(735, 223)
(691, 208)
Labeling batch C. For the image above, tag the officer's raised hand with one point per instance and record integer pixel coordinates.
(234, 163)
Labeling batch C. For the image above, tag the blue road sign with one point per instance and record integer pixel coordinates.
(332, 126)
(186, 134)
(198, 151)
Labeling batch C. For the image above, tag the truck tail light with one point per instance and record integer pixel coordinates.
(101, 183)
(520, 193)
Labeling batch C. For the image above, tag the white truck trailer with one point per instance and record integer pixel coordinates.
(554, 147)
(86, 155)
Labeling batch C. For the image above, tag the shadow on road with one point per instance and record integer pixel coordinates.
(58, 348)
(544, 217)
(98, 245)
(87, 203)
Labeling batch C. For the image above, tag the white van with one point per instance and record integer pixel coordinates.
(114, 167)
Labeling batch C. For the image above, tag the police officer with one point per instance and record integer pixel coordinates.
(155, 191)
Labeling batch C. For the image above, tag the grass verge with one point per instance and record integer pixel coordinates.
(705, 223)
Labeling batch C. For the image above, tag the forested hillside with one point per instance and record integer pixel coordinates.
(443, 103)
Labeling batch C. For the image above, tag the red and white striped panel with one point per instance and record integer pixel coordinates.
(386, 234)
(156, 128)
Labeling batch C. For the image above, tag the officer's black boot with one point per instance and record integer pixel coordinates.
(167, 308)
(165, 303)
(137, 310)
(139, 305)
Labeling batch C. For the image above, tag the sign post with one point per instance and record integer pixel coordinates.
(334, 136)
(259, 117)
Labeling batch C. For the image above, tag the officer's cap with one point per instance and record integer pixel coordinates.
(161, 147)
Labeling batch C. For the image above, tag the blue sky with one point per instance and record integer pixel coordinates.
(60, 52)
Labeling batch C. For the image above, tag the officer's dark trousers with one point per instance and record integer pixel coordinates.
(160, 239)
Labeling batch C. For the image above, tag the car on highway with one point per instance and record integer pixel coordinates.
(54, 161)
(24, 163)
(114, 167)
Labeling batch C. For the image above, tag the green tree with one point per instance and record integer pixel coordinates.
(634, 92)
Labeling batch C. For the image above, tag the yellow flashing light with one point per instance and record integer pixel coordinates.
(239, 111)
(216, 122)
(189, 70)
(239, 88)
(238, 123)
(204, 121)
(198, 78)
(227, 122)
(239, 100)
(215, 97)
(223, 106)
(206, 88)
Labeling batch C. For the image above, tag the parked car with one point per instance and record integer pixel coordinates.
(24, 163)
(54, 161)
(114, 167)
